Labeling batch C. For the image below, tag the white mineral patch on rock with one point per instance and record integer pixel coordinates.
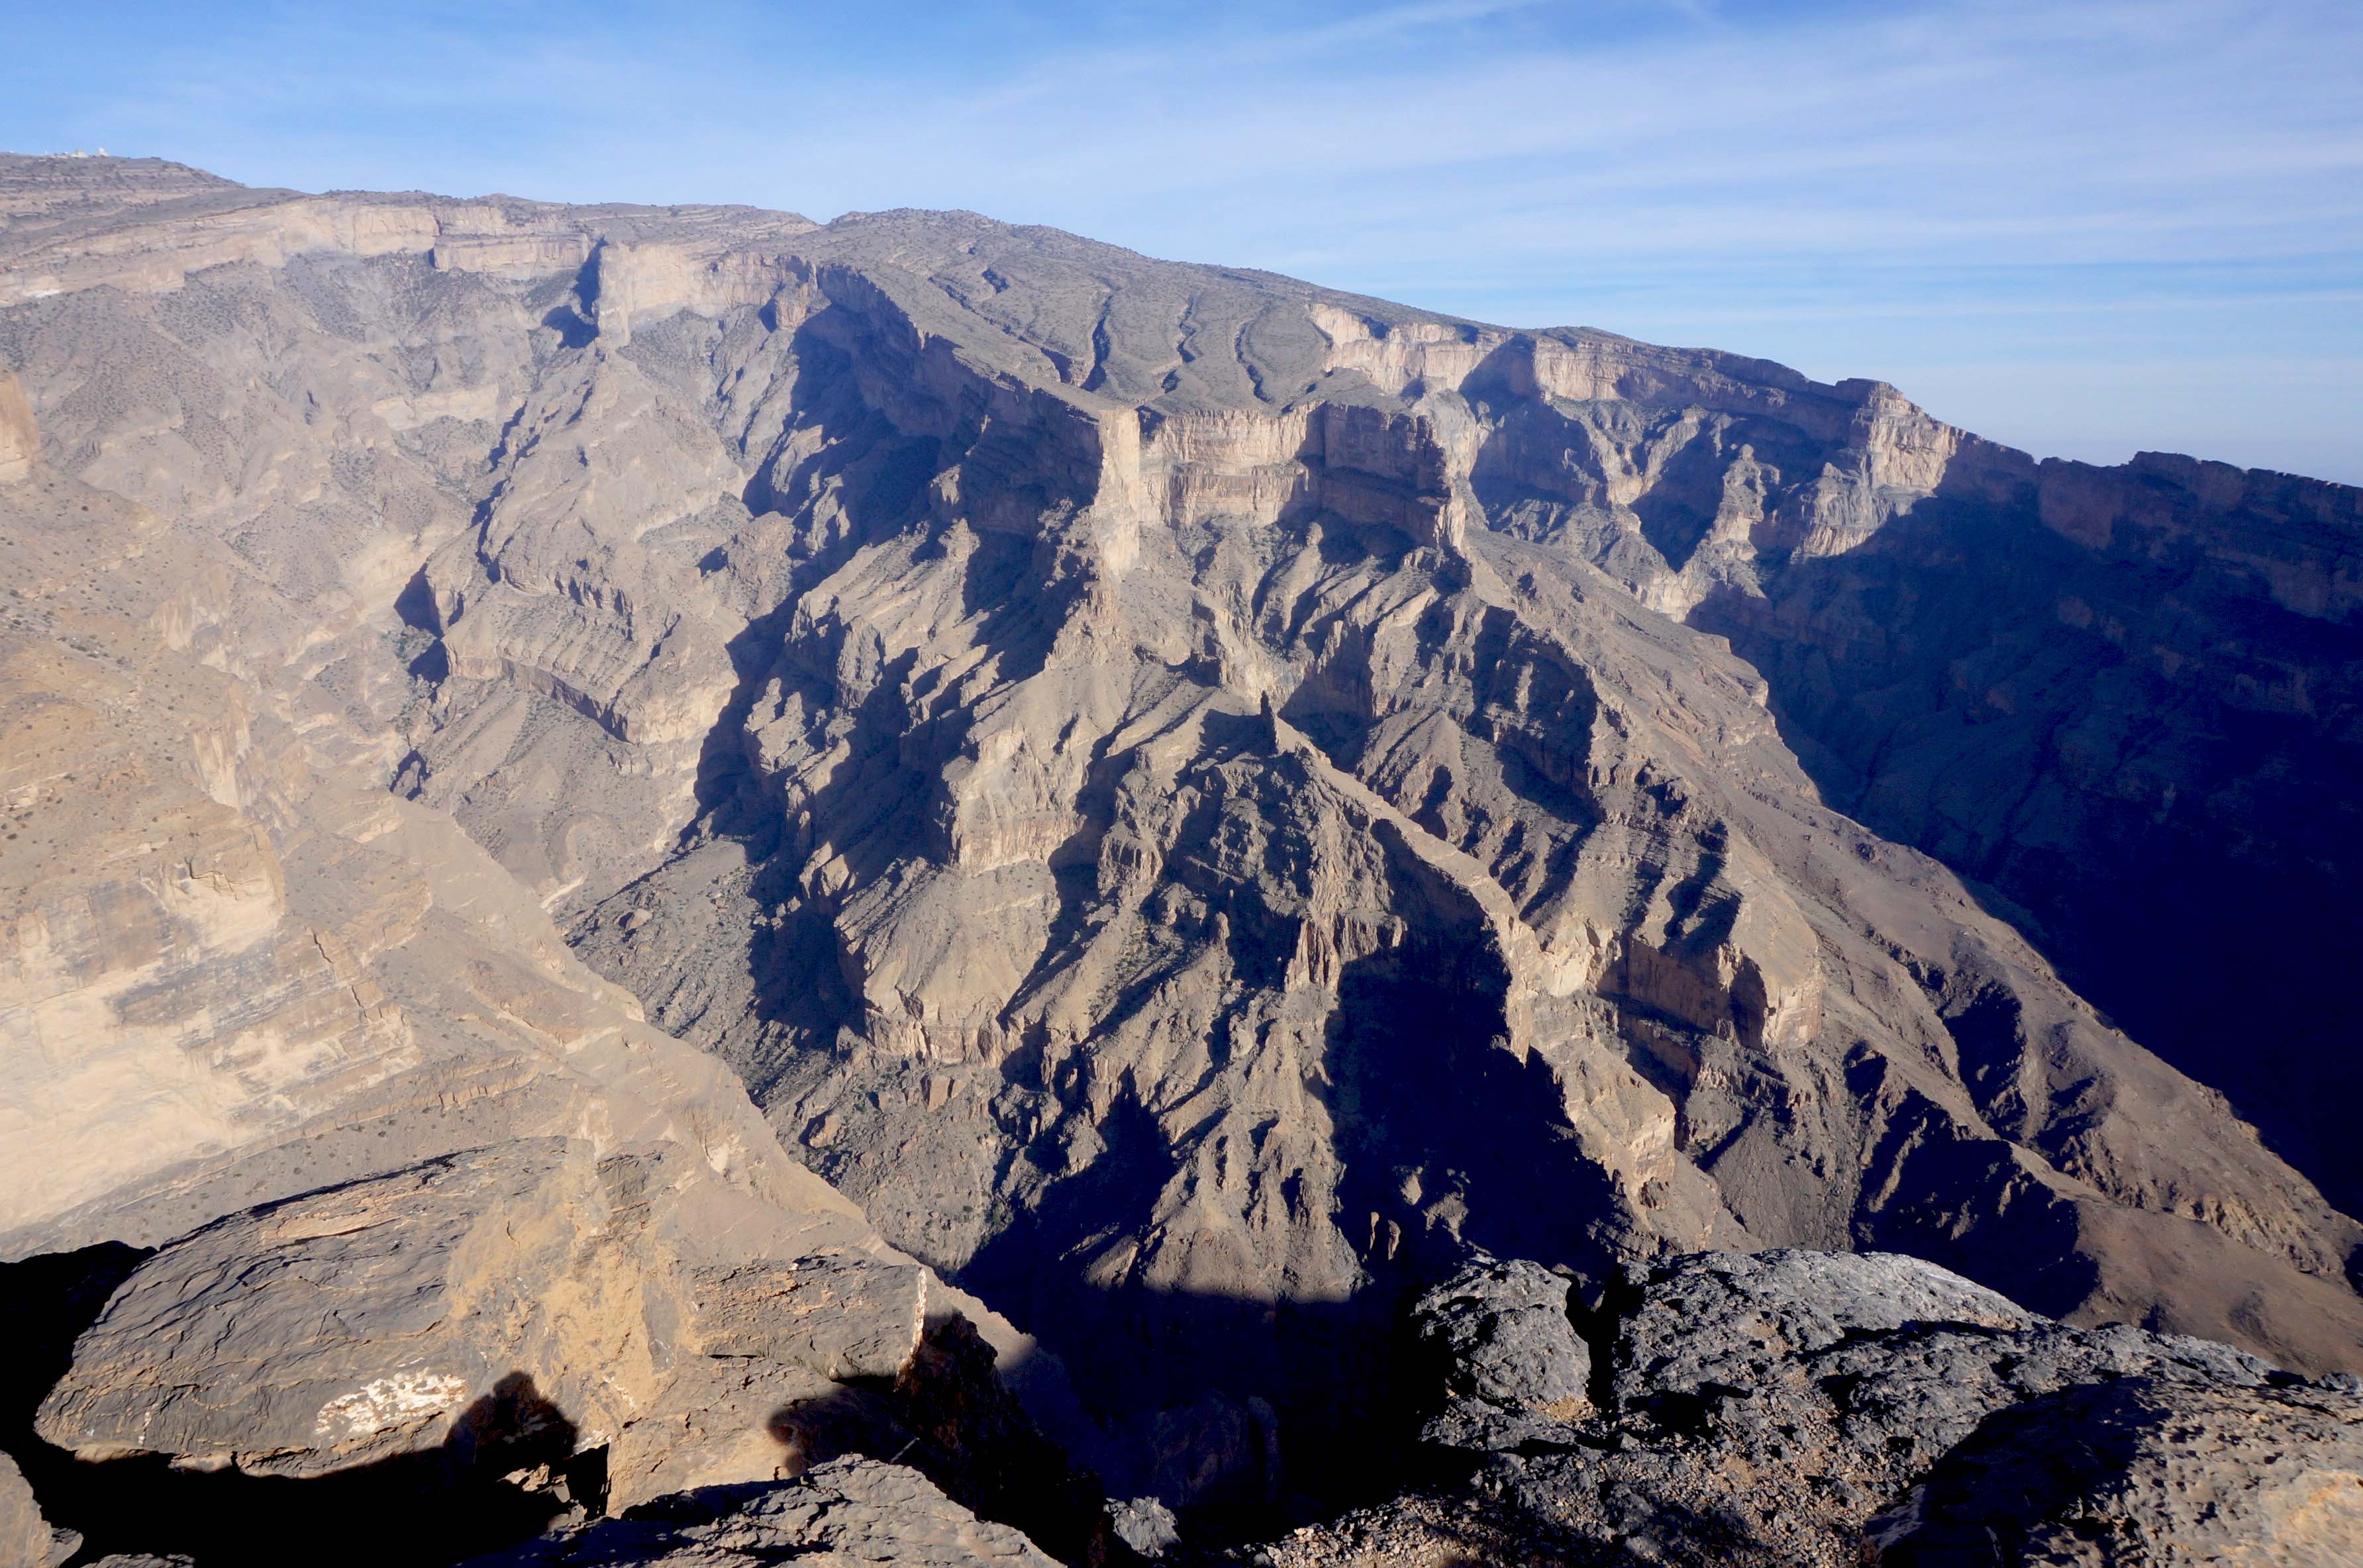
(403, 1399)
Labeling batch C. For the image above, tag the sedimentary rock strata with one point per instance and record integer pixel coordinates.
(237, 970)
(1190, 802)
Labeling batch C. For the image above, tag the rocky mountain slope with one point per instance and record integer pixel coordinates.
(236, 971)
(2130, 712)
(1194, 799)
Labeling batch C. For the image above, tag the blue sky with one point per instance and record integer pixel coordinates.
(2083, 227)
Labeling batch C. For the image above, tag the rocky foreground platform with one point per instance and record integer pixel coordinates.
(1800, 1408)
(1781, 1408)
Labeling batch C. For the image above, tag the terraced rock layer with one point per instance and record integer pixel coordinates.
(1194, 798)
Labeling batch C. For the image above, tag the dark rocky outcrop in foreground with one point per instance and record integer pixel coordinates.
(847, 1511)
(1786, 1409)
(1796, 1407)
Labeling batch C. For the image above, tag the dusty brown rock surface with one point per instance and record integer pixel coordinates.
(1189, 796)
(26, 1538)
(492, 1297)
(847, 1512)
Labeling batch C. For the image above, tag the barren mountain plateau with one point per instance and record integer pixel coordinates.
(762, 889)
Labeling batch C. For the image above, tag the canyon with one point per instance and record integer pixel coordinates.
(738, 841)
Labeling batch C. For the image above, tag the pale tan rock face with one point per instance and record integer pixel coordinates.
(25, 1536)
(20, 442)
(531, 1294)
(1180, 792)
(235, 969)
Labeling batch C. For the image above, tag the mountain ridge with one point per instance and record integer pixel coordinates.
(1195, 798)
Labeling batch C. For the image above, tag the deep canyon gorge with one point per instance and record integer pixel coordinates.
(940, 873)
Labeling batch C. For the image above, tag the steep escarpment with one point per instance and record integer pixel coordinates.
(2126, 701)
(1196, 800)
(1255, 876)
(443, 1228)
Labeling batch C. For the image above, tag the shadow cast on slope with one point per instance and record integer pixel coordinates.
(1262, 1412)
(1259, 1414)
(2106, 747)
(853, 478)
(947, 1414)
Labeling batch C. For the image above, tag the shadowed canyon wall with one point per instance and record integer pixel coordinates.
(1195, 800)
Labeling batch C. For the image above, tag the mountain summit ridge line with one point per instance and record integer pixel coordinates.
(1195, 801)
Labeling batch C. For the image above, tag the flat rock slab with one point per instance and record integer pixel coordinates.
(330, 1330)
(1729, 1318)
(504, 1307)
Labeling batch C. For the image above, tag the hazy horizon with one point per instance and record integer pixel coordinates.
(2082, 231)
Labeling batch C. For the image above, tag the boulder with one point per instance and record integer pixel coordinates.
(1796, 1407)
(1507, 1351)
(845, 1513)
(503, 1308)
(2143, 1470)
(1145, 1525)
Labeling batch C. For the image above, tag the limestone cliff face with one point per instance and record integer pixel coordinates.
(1191, 796)
(230, 968)
(254, 1005)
